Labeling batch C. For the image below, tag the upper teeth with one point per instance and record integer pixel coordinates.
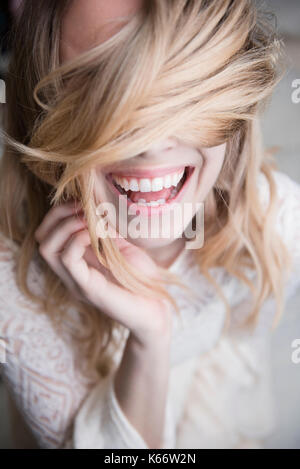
(149, 184)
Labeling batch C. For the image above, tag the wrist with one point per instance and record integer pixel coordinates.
(160, 339)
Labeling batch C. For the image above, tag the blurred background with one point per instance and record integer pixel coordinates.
(281, 128)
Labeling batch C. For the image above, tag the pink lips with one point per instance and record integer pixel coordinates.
(144, 210)
(148, 173)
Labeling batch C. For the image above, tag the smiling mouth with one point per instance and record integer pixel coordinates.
(151, 192)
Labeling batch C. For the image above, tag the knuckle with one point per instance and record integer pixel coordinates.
(74, 237)
(67, 253)
(65, 257)
(71, 227)
(68, 208)
(43, 250)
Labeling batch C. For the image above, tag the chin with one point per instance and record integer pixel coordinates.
(151, 243)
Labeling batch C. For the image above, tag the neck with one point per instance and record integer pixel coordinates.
(164, 256)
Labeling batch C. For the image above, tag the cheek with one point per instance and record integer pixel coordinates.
(212, 164)
(100, 189)
(214, 159)
(215, 165)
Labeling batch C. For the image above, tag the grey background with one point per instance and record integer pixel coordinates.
(281, 127)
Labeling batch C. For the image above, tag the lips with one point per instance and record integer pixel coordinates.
(149, 192)
(149, 184)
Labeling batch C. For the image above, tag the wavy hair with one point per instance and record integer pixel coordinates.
(202, 70)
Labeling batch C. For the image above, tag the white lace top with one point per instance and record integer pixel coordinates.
(219, 393)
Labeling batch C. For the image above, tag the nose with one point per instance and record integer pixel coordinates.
(161, 146)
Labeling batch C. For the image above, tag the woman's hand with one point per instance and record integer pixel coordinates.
(64, 242)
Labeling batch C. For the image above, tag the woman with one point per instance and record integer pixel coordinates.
(146, 104)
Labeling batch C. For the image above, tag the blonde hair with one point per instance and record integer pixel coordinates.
(202, 70)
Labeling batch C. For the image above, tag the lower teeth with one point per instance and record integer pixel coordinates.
(153, 203)
(156, 203)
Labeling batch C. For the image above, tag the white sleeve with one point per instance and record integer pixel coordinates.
(256, 414)
(102, 424)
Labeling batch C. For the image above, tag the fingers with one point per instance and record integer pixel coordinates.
(73, 261)
(115, 301)
(55, 239)
(53, 217)
(94, 285)
(53, 234)
(110, 298)
(66, 245)
(135, 255)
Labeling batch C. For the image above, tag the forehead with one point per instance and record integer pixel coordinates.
(86, 23)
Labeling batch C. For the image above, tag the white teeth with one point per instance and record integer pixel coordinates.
(125, 184)
(168, 181)
(153, 203)
(157, 184)
(176, 178)
(145, 185)
(149, 185)
(134, 186)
